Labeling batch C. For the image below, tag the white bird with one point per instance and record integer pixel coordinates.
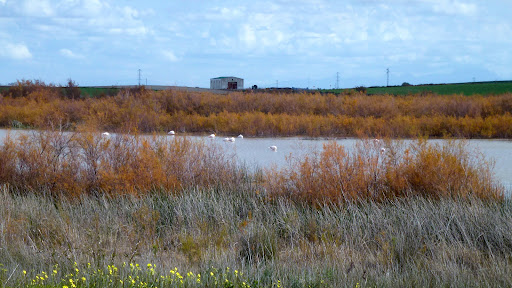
(240, 136)
(211, 136)
(171, 132)
(226, 139)
(232, 139)
(105, 134)
(273, 148)
(376, 141)
(382, 150)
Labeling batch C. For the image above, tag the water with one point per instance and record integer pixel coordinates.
(255, 152)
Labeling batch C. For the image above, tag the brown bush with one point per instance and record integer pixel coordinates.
(70, 164)
(383, 170)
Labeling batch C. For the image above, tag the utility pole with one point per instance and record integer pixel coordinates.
(139, 77)
(337, 80)
(387, 82)
(277, 83)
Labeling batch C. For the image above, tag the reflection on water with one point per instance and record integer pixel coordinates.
(255, 152)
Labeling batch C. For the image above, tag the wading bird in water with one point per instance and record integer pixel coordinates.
(273, 148)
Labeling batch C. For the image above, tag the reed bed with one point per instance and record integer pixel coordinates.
(241, 239)
(37, 105)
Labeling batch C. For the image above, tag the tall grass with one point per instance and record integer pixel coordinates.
(403, 242)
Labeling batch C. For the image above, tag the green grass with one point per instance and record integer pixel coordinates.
(4, 88)
(86, 91)
(482, 88)
(95, 92)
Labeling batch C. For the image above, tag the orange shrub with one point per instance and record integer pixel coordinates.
(69, 164)
(381, 170)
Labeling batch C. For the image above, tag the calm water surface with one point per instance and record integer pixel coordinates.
(255, 152)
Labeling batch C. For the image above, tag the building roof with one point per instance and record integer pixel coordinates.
(224, 77)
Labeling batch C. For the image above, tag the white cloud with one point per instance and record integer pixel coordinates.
(454, 7)
(70, 54)
(14, 51)
(3, 2)
(394, 31)
(170, 56)
(37, 8)
(264, 32)
(132, 31)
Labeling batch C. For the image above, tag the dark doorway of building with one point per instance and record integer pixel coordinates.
(232, 85)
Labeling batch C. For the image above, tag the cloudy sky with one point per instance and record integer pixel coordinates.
(286, 43)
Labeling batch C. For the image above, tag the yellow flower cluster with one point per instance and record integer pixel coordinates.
(133, 275)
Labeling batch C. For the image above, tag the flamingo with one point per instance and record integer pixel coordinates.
(273, 148)
(171, 132)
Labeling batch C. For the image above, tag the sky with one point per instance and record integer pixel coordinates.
(304, 44)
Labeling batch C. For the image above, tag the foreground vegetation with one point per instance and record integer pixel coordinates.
(238, 238)
(353, 114)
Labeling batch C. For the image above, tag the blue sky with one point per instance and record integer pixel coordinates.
(289, 43)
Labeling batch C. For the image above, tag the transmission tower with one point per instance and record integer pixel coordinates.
(337, 80)
(139, 77)
(387, 82)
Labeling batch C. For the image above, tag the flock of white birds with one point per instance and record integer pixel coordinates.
(211, 136)
(232, 139)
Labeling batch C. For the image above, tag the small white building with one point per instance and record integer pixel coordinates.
(231, 83)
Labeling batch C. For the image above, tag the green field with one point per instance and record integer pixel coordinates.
(482, 88)
(95, 92)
